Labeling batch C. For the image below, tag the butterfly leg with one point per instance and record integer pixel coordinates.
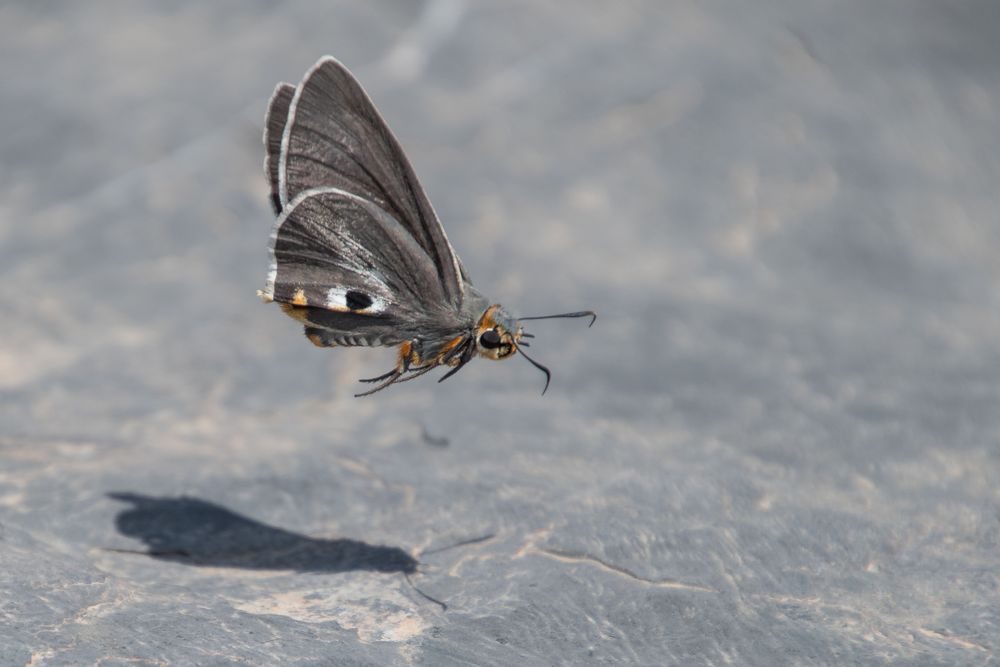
(391, 379)
(407, 356)
(417, 372)
(381, 377)
(448, 356)
(468, 351)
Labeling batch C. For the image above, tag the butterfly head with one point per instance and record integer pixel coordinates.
(497, 333)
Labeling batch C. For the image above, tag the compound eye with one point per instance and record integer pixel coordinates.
(490, 339)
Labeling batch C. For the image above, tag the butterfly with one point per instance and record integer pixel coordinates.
(358, 255)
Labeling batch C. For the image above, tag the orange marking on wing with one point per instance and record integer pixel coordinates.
(299, 298)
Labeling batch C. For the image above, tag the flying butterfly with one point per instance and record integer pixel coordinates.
(358, 255)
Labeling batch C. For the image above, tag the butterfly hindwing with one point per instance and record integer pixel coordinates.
(334, 137)
(353, 269)
(274, 128)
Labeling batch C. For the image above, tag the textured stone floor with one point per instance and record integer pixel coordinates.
(780, 443)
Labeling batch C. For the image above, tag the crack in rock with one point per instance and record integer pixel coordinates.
(569, 557)
(952, 639)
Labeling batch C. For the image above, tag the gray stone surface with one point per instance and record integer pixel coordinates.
(778, 445)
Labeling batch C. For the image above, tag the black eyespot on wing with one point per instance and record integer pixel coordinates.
(489, 339)
(358, 300)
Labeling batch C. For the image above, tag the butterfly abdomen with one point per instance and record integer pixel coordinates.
(326, 328)
(323, 338)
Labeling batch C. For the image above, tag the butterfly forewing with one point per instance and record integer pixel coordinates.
(334, 137)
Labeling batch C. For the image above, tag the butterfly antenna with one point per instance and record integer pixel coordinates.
(548, 375)
(583, 313)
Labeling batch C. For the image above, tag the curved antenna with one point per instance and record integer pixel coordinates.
(583, 313)
(548, 375)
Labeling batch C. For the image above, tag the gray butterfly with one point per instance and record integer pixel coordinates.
(357, 253)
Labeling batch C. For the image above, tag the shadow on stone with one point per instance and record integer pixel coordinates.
(196, 532)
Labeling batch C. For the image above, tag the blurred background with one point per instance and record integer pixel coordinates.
(778, 444)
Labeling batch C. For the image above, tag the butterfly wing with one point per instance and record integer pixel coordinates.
(342, 264)
(274, 128)
(334, 137)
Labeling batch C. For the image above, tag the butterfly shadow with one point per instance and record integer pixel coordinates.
(196, 532)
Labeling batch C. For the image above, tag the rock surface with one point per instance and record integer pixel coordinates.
(778, 444)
